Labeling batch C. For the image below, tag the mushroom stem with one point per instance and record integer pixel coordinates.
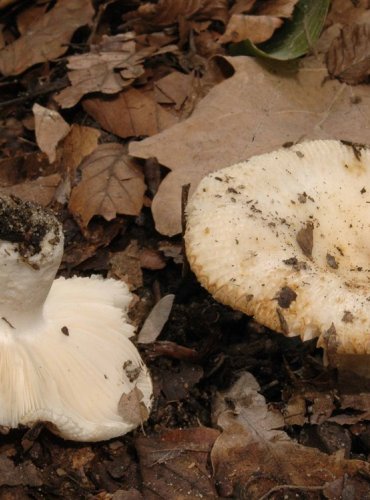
(65, 352)
(31, 249)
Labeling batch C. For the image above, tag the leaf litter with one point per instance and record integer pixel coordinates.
(138, 75)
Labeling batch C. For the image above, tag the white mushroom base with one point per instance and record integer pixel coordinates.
(72, 367)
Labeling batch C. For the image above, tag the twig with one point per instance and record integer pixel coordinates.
(36, 93)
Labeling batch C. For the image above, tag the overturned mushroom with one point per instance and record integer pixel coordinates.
(65, 354)
(285, 237)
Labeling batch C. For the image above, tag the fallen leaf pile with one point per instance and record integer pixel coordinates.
(108, 110)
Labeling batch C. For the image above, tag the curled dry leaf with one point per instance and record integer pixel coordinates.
(50, 129)
(47, 37)
(242, 116)
(108, 68)
(132, 113)
(111, 183)
(348, 57)
(125, 265)
(258, 29)
(254, 455)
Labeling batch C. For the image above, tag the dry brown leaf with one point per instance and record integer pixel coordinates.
(156, 320)
(29, 15)
(40, 190)
(254, 456)
(253, 112)
(131, 408)
(125, 266)
(349, 12)
(50, 129)
(132, 113)
(258, 29)
(279, 8)
(242, 6)
(175, 464)
(79, 143)
(167, 12)
(173, 89)
(46, 38)
(348, 57)
(111, 184)
(151, 259)
(108, 68)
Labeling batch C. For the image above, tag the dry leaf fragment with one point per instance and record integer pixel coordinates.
(47, 37)
(258, 29)
(242, 6)
(348, 57)
(109, 67)
(279, 8)
(174, 464)
(252, 112)
(111, 183)
(156, 320)
(50, 129)
(173, 89)
(25, 474)
(131, 408)
(132, 113)
(125, 265)
(255, 456)
(40, 190)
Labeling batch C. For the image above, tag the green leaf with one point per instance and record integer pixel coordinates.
(295, 38)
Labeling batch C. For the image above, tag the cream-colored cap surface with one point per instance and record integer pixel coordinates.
(285, 237)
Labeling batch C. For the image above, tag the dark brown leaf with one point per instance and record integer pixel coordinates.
(348, 58)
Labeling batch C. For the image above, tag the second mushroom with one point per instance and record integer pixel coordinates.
(284, 237)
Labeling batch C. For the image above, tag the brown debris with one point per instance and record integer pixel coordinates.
(286, 296)
(348, 58)
(305, 239)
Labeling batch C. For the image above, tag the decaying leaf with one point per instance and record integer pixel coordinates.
(253, 112)
(255, 456)
(167, 12)
(111, 184)
(131, 113)
(174, 88)
(131, 408)
(50, 129)
(156, 320)
(174, 464)
(257, 29)
(125, 265)
(279, 8)
(108, 68)
(349, 55)
(47, 37)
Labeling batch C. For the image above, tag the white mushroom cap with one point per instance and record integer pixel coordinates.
(65, 354)
(285, 237)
